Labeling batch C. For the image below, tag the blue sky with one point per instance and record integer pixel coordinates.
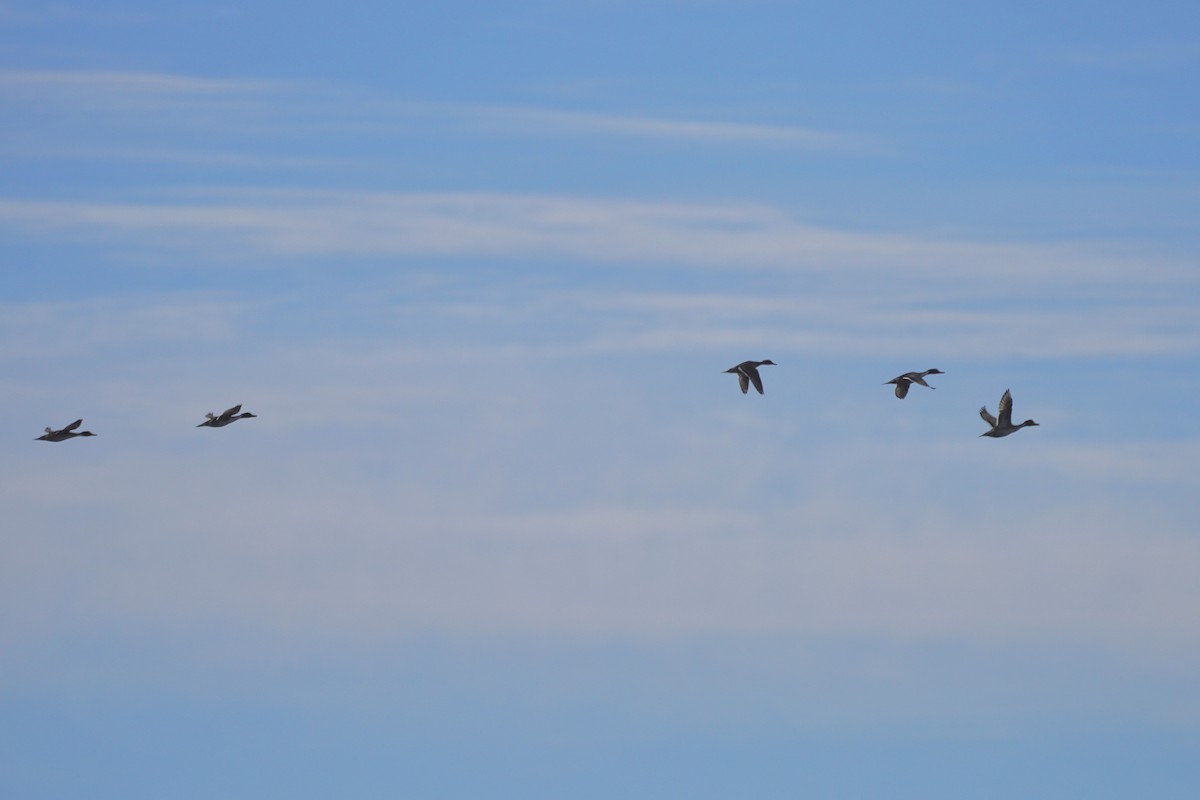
(503, 527)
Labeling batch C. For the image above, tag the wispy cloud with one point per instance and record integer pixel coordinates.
(313, 105)
(44, 330)
(604, 572)
(102, 85)
(74, 111)
(553, 121)
(870, 323)
(883, 292)
(1148, 56)
(733, 236)
(202, 157)
(422, 529)
(36, 14)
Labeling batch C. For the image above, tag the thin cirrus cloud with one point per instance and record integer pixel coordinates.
(540, 120)
(58, 329)
(1147, 56)
(103, 88)
(730, 235)
(297, 103)
(1083, 285)
(849, 575)
(178, 156)
(834, 324)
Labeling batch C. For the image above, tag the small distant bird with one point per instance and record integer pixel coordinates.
(227, 416)
(747, 373)
(1002, 426)
(63, 434)
(909, 378)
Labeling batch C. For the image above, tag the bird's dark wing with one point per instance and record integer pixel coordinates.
(72, 426)
(229, 412)
(755, 378)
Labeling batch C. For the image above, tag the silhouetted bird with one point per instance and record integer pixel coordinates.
(907, 379)
(1002, 426)
(747, 373)
(226, 417)
(63, 434)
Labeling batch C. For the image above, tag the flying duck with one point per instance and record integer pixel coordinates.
(907, 379)
(747, 373)
(1002, 426)
(64, 433)
(227, 416)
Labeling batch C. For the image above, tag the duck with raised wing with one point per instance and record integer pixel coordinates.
(909, 378)
(227, 416)
(747, 373)
(62, 434)
(1003, 425)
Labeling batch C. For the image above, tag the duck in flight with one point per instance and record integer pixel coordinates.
(909, 378)
(62, 434)
(747, 373)
(227, 416)
(1002, 426)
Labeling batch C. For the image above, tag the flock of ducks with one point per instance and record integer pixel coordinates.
(747, 372)
(211, 420)
(998, 426)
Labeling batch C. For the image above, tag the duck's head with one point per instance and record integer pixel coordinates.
(1027, 423)
(935, 372)
(767, 362)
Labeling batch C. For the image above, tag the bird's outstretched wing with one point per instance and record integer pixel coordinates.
(72, 426)
(755, 378)
(1005, 410)
(988, 418)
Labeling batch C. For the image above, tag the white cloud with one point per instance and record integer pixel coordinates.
(31, 14)
(1147, 56)
(219, 158)
(881, 292)
(398, 491)
(887, 319)
(55, 330)
(325, 562)
(546, 120)
(879, 313)
(98, 88)
(735, 236)
(1159, 464)
(311, 105)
